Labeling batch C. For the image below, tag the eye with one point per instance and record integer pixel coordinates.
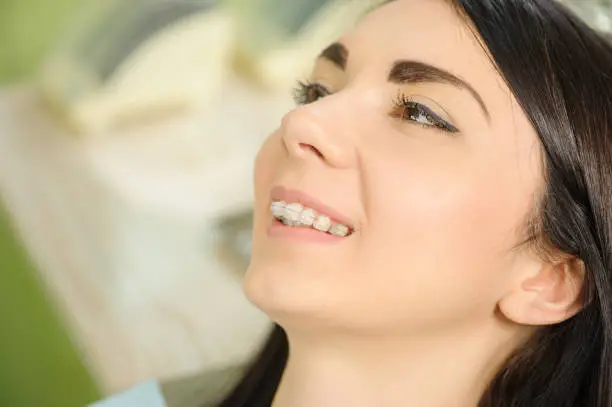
(409, 110)
(306, 93)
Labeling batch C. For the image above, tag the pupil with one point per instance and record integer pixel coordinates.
(314, 94)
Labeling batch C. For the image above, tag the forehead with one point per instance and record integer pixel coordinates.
(429, 31)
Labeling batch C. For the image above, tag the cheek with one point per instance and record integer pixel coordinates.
(453, 218)
(460, 200)
(442, 229)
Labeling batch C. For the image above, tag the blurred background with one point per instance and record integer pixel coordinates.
(127, 134)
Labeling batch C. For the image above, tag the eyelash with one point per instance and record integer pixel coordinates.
(410, 110)
(404, 107)
(303, 93)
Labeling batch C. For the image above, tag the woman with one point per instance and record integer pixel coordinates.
(433, 223)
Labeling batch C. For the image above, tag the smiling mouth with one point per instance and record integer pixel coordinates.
(296, 215)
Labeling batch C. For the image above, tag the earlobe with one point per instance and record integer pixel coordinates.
(552, 296)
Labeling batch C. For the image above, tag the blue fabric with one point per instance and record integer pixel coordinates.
(145, 395)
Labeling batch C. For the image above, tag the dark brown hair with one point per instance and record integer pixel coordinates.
(560, 71)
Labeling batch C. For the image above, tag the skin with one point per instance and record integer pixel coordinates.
(433, 290)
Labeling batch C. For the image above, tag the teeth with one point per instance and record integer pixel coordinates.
(297, 215)
(308, 217)
(293, 214)
(278, 209)
(323, 224)
(339, 229)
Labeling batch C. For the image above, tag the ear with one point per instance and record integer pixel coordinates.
(550, 297)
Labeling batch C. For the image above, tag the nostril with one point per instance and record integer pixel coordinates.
(309, 147)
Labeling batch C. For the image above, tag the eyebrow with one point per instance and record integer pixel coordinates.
(337, 54)
(408, 71)
(405, 72)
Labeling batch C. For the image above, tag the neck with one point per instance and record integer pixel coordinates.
(451, 370)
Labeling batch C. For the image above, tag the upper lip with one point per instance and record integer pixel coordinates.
(295, 196)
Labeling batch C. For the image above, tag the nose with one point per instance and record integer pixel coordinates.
(313, 133)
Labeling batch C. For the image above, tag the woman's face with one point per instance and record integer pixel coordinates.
(408, 135)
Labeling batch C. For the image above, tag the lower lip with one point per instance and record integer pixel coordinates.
(280, 230)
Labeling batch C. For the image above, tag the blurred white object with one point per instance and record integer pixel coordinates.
(137, 61)
(283, 38)
(597, 13)
(123, 230)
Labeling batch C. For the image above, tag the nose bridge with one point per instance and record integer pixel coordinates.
(320, 130)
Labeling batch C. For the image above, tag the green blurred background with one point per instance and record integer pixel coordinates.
(27, 29)
(39, 366)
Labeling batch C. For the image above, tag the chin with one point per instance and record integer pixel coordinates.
(271, 289)
(287, 296)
